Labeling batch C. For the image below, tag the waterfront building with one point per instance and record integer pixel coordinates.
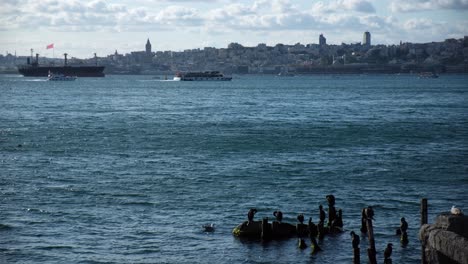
(322, 40)
(366, 39)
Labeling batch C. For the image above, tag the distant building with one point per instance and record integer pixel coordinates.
(322, 40)
(366, 39)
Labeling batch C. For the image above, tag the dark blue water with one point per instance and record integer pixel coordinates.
(127, 169)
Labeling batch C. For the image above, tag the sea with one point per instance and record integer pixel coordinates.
(127, 169)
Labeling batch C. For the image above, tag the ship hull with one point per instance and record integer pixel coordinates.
(79, 71)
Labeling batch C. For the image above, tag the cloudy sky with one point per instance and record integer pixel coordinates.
(81, 27)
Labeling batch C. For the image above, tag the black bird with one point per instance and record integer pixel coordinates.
(403, 225)
(330, 199)
(356, 240)
(278, 215)
(322, 214)
(369, 213)
(388, 251)
(208, 227)
(300, 218)
(250, 215)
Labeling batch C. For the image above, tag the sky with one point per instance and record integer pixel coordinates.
(82, 28)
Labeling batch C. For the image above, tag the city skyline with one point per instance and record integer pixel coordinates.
(81, 28)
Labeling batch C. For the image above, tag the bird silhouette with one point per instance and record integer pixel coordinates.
(369, 213)
(209, 227)
(388, 251)
(322, 214)
(356, 239)
(251, 213)
(403, 225)
(300, 218)
(331, 199)
(278, 215)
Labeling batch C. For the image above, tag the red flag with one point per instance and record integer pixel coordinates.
(50, 46)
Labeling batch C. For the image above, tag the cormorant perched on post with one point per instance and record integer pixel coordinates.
(369, 213)
(330, 199)
(356, 239)
(251, 213)
(278, 215)
(339, 220)
(322, 214)
(301, 228)
(403, 233)
(300, 218)
(403, 225)
(388, 252)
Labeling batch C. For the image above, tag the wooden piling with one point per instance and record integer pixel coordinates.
(424, 221)
(266, 230)
(371, 252)
(423, 211)
(357, 256)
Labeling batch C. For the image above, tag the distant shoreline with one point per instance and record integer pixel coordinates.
(342, 69)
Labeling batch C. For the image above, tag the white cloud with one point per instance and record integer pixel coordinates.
(418, 24)
(423, 5)
(338, 6)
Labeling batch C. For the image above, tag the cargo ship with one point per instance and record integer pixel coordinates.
(33, 69)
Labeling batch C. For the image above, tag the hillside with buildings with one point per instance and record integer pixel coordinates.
(449, 56)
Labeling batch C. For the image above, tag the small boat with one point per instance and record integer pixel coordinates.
(59, 77)
(285, 74)
(201, 76)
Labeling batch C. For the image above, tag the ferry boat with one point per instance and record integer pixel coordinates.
(60, 77)
(201, 76)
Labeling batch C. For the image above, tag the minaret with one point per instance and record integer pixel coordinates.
(148, 48)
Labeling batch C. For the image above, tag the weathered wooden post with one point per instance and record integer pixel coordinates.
(356, 251)
(363, 221)
(423, 222)
(331, 212)
(371, 252)
(423, 211)
(357, 256)
(313, 235)
(266, 230)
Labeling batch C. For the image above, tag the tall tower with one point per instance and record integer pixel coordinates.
(366, 41)
(148, 47)
(322, 40)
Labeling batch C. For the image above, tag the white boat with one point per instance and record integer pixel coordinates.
(201, 76)
(285, 74)
(59, 77)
